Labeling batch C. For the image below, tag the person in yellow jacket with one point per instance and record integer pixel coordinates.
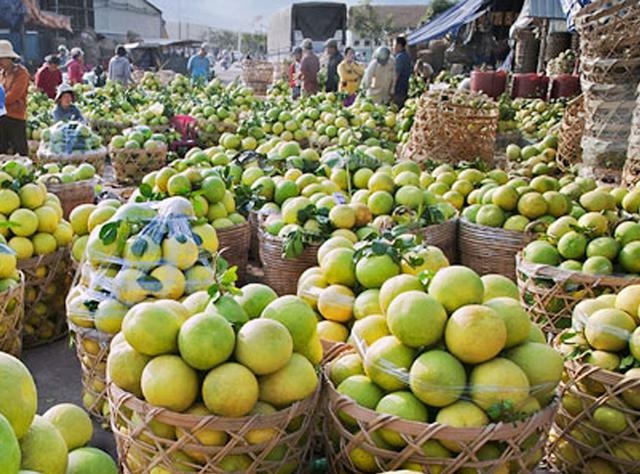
(350, 73)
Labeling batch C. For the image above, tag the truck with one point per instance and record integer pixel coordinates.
(318, 21)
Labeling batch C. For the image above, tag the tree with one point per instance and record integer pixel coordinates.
(435, 8)
(366, 23)
(254, 43)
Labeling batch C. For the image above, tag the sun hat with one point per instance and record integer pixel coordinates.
(63, 89)
(6, 50)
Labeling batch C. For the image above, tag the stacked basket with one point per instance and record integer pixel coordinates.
(610, 70)
(570, 138)
(130, 165)
(631, 171)
(258, 75)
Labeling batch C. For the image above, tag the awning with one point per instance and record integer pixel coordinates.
(44, 18)
(551, 9)
(461, 13)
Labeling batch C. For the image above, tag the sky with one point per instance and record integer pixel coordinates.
(246, 15)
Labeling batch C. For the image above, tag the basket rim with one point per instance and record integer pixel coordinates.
(37, 260)
(497, 230)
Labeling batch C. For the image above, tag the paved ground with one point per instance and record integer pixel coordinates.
(56, 370)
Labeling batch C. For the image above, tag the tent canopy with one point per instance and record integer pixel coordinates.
(452, 19)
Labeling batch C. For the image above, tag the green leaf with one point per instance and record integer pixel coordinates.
(378, 247)
(230, 276)
(139, 247)
(214, 292)
(91, 305)
(566, 336)
(109, 232)
(146, 190)
(221, 265)
(149, 283)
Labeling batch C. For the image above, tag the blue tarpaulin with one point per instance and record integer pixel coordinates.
(12, 12)
(461, 13)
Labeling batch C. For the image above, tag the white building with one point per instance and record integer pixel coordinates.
(185, 30)
(115, 18)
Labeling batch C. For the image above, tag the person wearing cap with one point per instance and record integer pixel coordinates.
(65, 109)
(49, 76)
(75, 67)
(198, 65)
(14, 78)
(294, 72)
(120, 67)
(309, 67)
(403, 71)
(350, 73)
(334, 58)
(379, 78)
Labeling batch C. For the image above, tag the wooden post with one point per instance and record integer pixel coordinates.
(544, 33)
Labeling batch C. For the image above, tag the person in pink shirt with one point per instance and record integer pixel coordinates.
(75, 67)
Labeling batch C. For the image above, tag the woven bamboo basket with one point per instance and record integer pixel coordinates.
(281, 273)
(448, 129)
(258, 75)
(93, 157)
(73, 194)
(141, 451)
(489, 249)
(631, 170)
(92, 348)
(578, 441)
(47, 282)
(550, 293)
(131, 165)
(443, 236)
(11, 318)
(570, 138)
(254, 244)
(107, 129)
(234, 246)
(520, 443)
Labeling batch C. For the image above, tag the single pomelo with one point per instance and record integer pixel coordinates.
(43, 448)
(331, 244)
(18, 396)
(90, 461)
(151, 329)
(206, 340)
(204, 436)
(373, 271)
(367, 303)
(543, 366)
(296, 315)
(261, 435)
(227, 307)
(344, 367)
(416, 319)
(335, 303)
(628, 300)
(73, 423)
(125, 366)
(402, 404)
(542, 252)
(167, 381)
(314, 350)
(437, 378)
(387, 363)
(572, 245)
(634, 343)
(366, 331)
(220, 390)
(264, 346)
(496, 286)
(461, 414)
(426, 258)
(514, 317)
(9, 448)
(295, 381)
(536, 334)
(610, 419)
(338, 268)
(475, 334)
(395, 286)
(498, 381)
(361, 390)
(467, 283)
(631, 396)
(609, 329)
(254, 298)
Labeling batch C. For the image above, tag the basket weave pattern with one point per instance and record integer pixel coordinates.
(631, 170)
(550, 294)
(443, 236)
(258, 75)
(72, 195)
(47, 282)
(234, 246)
(11, 317)
(570, 138)
(141, 451)
(131, 165)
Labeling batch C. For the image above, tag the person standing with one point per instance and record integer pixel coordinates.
(75, 67)
(309, 67)
(14, 78)
(49, 76)
(334, 59)
(294, 72)
(403, 71)
(379, 78)
(120, 67)
(350, 73)
(198, 65)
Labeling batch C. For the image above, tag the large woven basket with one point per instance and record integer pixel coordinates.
(141, 451)
(47, 282)
(254, 223)
(550, 293)
(489, 249)
(73, 194)
(570, 138)
(444, 236)
(131, 165)
(579, 442)
(258, 75)
(234, 246)
(93, 157)
(11, 317)
(281, 273)
(92, 348)
(521, 443)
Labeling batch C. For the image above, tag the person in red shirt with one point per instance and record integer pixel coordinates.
(75, 68)
(49, 76)
(294, 72)
(14, 78)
